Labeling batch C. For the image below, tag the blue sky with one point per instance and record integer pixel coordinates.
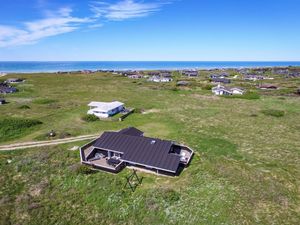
(199, 30)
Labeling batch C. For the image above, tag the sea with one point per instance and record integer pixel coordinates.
(38, 67)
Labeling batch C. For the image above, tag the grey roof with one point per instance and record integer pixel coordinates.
(7, 89)
(131, 131)
(221, 80)
(140, 150)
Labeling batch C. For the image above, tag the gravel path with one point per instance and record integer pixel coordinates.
(35, 144)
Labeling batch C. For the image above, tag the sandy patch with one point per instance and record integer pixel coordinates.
(151, 111)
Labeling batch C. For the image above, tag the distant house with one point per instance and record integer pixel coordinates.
(182, 83)
(253, 77)
(6, 89)
(14, 80)
(221, 90)
(153, 73)
(293, 75)
(113, 151)
(219, 76)
(159, 79)
(128, 73)
(105, 109)
(268, 87)
(2, 101)
(281, 71)
(135, 76)
(166, 75)
(244, 71)
(190, 73)
(86, 72)
(237, 91)
(221, 80)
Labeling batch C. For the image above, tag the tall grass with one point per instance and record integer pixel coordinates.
(273, 112)
(248, 95)
(16, 127)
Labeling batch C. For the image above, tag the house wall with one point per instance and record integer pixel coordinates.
(158, 171)
(105, 115)
(236, 92)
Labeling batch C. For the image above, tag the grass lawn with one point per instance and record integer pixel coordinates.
(246, 169)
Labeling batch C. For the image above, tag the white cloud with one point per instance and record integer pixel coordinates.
(61, 21)
(125, 9)
(31, 32)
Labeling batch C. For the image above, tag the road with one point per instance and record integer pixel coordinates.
(36, 144)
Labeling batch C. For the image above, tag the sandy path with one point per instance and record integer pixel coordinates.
(35, 144)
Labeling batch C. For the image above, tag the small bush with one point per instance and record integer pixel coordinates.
(89, 118)
(81, 169)
(207, 87)
(64, 135)
(171, 196)
(273, 112)
(24, 107)
(44, 101)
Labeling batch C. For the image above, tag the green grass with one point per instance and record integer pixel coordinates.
(16, 127)
(44, 101)
(24, 107)
(245, 169)
(250, 95)
(273, 112)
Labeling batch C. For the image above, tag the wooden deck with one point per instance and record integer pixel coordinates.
(103, 163)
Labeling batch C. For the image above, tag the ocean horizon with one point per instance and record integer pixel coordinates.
(66, 66)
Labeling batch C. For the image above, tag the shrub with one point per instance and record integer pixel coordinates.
(207, 87)
(24, 107)
(90, 118)
(64, 134)
(273, 112)
(81, 169)
(15, 127)
(171, 196)
(174, 89)
(44, 101)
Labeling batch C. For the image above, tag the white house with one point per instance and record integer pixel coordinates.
(2, 101)
(221, 90)
(159, 79)
(105, 109)
(237, 91)
(14, 81)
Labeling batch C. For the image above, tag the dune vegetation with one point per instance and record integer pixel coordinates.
(245, 170)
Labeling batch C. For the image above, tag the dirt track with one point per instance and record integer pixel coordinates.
(36, 144)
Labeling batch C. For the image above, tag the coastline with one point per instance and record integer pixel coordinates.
(69, 66)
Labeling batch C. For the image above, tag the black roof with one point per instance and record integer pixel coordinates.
(131, 131)
(7, 89)
(140, 150)
(221, 80)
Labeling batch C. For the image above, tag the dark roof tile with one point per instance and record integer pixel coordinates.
(141, 150)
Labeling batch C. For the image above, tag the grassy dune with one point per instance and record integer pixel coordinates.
(245, 171)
